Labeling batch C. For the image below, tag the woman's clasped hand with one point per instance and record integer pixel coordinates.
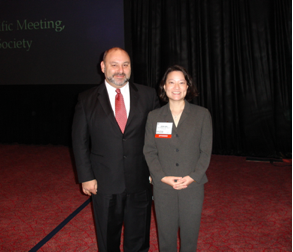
(178, 183)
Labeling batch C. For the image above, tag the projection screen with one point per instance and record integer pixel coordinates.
(57, 42)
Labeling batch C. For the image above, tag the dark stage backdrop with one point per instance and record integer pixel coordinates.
(38, 114)
(49, 52)
(239, 55)
(57, 42)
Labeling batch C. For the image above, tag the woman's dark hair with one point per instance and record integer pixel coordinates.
(191, 91)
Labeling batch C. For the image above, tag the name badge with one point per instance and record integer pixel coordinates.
(164, 130)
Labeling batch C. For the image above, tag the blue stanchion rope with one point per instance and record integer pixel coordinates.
(60, 226)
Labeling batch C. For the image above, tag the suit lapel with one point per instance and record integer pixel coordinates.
(185, 113)
(134, 96)
(168, 115)
(184, 122)
(103, 99)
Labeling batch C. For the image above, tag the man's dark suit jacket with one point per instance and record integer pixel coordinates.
(101, 151)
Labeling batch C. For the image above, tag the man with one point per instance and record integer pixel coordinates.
(108, 137)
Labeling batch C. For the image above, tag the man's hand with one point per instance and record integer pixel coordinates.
(90, 187)
(150, 180)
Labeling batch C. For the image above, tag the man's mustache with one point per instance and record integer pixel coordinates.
(119, 74)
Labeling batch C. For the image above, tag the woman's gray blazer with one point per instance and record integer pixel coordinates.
(187, 152)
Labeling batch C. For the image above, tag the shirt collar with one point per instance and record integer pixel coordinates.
(112, 89)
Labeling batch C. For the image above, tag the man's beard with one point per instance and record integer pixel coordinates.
(121, 83)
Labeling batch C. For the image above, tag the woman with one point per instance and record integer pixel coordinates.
(178, 145)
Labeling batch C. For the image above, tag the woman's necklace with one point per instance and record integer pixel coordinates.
(176, 118)
(178, 115)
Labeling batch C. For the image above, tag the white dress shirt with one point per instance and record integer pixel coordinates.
(124, 91)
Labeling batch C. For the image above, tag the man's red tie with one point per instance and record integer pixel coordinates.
(120, 110)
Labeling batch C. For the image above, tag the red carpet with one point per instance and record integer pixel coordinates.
(248, 205)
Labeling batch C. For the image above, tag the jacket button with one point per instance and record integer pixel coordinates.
(177, 150)
(176, 135)
(124, 156)
(177, 164)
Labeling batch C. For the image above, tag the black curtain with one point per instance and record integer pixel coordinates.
(38, 114)
(238, 54)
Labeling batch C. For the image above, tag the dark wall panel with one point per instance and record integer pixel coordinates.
(37, 114)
